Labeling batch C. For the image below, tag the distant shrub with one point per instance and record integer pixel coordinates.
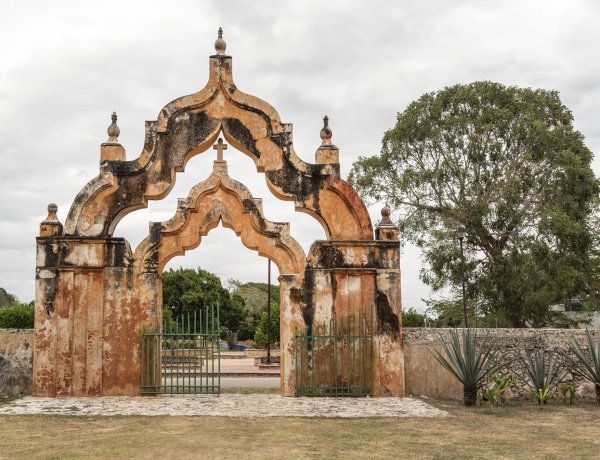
(412, 318)
(18, 316)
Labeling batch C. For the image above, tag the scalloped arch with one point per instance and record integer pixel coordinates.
(189, 126)
(219, 199)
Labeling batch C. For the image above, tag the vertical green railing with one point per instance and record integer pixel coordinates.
(184, 357)
(335, 358)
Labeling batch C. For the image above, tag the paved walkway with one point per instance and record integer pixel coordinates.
(225, 405)
(261, 383)
(236, 372)
(244, 367)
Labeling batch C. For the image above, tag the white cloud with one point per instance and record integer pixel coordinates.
(67, 65)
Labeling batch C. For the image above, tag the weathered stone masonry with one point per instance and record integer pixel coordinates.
(16, 360)
(93, 293)
(425, 376)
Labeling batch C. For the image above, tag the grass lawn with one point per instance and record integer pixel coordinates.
(519, 430)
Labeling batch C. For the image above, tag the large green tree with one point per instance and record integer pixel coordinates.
(185, 292)
(507, 164)
(254, 294)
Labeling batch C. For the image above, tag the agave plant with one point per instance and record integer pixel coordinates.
(468, 362)
(541, 375)
(587, 366)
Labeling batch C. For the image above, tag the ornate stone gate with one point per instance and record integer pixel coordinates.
(93, 293)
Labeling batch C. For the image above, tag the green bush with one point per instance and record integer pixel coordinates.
(18, 316)
(412, 318)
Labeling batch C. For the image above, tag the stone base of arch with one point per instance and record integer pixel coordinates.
(91, 305)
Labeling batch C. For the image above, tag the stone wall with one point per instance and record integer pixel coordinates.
(16, 361)
(425, 376)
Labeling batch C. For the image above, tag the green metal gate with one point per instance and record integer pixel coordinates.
(183, 357)
(335, 359)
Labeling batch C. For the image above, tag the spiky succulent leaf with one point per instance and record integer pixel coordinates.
(537, 372)
(466, 361)
(587, 365)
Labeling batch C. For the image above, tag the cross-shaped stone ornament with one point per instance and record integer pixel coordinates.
(219, 147)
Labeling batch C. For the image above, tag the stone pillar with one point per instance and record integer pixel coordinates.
(390, 353)
(83, 305)
(290, 310)
(344, 277)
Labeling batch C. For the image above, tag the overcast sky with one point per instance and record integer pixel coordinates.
(67, 65)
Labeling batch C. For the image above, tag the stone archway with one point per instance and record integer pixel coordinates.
(221, 200)
(93, 294)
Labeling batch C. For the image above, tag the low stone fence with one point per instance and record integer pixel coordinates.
(16, 361)
(256, 352)
(425, 376)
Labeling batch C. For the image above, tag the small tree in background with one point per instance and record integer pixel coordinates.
(7, 299)
(168, 321)
(260, 336)
(254, 294)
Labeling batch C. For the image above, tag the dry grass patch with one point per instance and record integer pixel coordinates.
(519, 430)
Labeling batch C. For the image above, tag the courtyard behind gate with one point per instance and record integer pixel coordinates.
(335, 358)
(183, 357)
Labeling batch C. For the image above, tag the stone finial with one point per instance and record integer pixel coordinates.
(220, 45)
(326, 132)
(113, 130)
(51, 226)
(327, 153)
(386, 229)
(385, 216)
(111, 150)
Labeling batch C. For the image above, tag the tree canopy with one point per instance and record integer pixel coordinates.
(6, 299)
(185, 292)
(254, 294)
(507, 164)
(240, 310)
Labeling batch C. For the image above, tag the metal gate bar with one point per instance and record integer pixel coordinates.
(335, 359)
(184, 357)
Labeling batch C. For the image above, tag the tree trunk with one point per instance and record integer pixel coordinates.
(598, 393)
(469, 396)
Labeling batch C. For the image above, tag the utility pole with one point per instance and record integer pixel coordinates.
(460, 234)
(269, 313)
